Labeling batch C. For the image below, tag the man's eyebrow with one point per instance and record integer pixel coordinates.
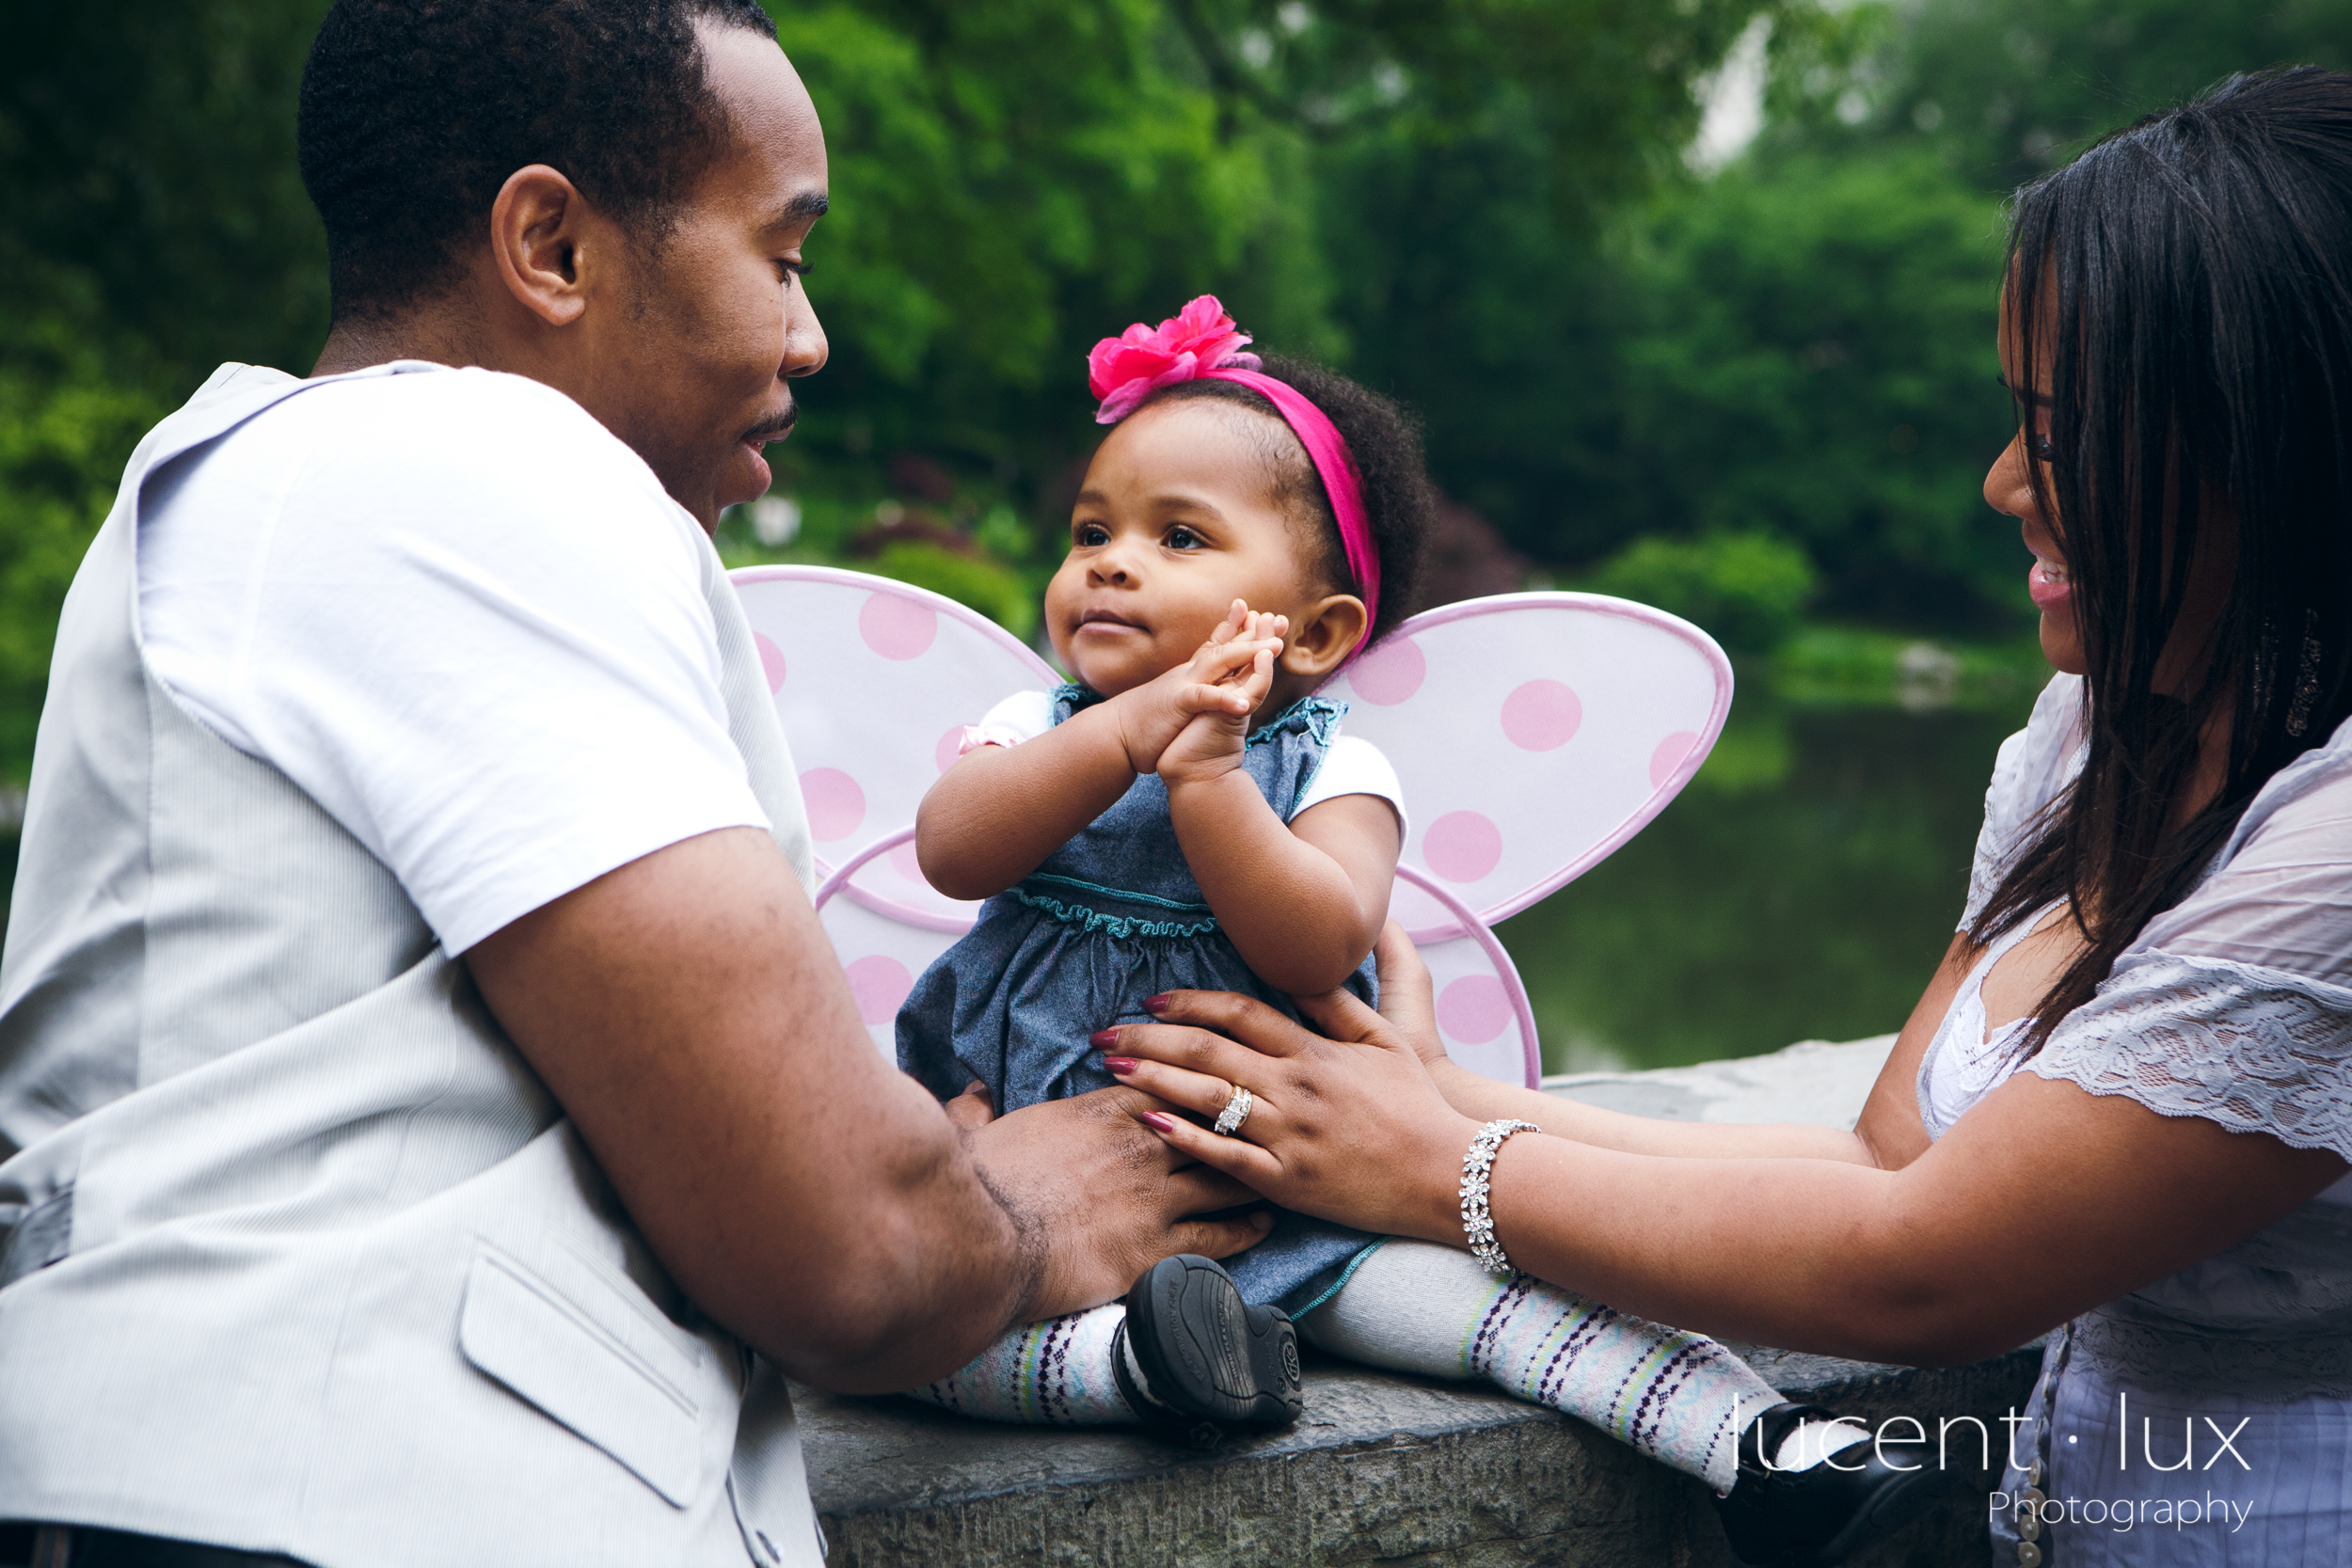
(2040, 400)
(804, 207)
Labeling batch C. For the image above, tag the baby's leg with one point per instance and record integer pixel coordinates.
(1681, 1398)
(1058, 1372)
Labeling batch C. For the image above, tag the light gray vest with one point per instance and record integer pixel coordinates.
(297, 1253)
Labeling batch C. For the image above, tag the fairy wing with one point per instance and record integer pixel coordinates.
(1534, 734)
(874, 681)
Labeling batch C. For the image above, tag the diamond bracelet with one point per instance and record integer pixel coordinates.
(1477, 1223)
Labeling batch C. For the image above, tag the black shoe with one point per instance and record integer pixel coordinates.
(1210, 1359)
(1824, 1513)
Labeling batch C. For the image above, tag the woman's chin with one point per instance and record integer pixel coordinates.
(2061, 643)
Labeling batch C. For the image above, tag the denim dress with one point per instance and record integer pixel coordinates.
(1111, 917)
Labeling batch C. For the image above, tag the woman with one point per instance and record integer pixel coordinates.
(2121, 1113)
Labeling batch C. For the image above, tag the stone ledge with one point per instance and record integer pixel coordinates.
(1386, 1468)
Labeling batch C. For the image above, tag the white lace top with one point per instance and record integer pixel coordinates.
(2235, 1006)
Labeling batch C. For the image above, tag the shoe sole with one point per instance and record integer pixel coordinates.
(1208, 1353)
(1897, 1503)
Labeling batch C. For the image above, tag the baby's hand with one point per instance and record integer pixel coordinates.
(1220, 686)
(1213, 740)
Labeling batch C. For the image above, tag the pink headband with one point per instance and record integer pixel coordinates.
(1202, 344)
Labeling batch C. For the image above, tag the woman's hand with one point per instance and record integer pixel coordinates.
(1198, 714)
(1408, 999)
(1349, 1128)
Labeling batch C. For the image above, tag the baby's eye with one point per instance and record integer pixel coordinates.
(1090, 534)
(1181, 538)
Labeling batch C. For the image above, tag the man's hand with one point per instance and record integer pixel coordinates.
(1107, 1198)
(689, 1014)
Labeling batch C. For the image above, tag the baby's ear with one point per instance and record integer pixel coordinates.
(1325, 633)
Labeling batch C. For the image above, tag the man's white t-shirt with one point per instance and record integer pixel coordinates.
(464, 618)
(1351, 764)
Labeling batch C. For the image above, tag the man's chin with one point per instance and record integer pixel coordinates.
(747, 476)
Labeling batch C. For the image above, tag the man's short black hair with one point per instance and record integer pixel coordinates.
(414, 112)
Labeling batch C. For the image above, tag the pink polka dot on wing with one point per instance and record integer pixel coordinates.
(836, 807)
(878, 983)
(1474, 1008)
(1390, 673)
(896, 626)
(1462, 846)
(1669, 756)
(1541, 716)
(950, 747)
(770, 660)
(903, 861)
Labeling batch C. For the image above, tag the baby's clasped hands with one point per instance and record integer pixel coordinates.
(1196, 717)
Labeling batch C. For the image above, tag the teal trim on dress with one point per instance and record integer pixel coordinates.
(1341, 1284)
(1119, 927)
(1116, 892)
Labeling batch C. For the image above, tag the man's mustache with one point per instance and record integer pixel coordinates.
(775, 429)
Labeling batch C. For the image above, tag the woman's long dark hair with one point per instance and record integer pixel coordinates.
(2189, 282)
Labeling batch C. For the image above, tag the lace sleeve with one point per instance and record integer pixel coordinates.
(2254, 1050)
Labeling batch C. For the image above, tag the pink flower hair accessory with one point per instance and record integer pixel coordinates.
(1202, 344)
(1125, 369)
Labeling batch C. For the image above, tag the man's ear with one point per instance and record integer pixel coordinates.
(1324, 634)
(540, 226)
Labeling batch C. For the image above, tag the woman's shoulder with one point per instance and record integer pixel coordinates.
(2039, 761)
(2278, 894)
(2034, 766)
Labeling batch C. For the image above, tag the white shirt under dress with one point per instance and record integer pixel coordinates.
(2235, 1006)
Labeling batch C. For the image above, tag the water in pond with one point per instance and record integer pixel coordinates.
(1804, 887)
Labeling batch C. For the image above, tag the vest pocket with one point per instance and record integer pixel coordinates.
(586, 1357)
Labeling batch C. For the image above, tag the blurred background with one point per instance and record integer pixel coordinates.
(1696, 296)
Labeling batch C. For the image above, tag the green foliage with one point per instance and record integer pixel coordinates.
(1813, 357)
(971, 580)
(1747, 590)
(2003, 89)
(155, 227)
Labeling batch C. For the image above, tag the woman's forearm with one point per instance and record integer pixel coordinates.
(1800, 1253)
(1488, 1100)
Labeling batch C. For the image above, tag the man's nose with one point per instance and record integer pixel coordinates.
(804, 346)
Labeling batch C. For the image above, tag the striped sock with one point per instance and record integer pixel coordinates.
(1054, 1373)
(1676, 1396)
(1680, 1398)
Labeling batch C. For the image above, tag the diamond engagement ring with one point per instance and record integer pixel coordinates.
(1236, 1111)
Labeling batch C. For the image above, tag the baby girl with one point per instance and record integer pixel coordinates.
(1188, 813)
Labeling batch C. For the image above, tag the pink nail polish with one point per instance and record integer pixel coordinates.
(1103, 1039)
(1157, 1122)
(1120, 1067)
(1155, 1004)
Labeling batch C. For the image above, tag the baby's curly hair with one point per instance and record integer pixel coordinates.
(1383, 439)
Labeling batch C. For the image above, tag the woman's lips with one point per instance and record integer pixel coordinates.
(2049, 592)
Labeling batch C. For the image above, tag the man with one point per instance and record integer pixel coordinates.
(421, 1074)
